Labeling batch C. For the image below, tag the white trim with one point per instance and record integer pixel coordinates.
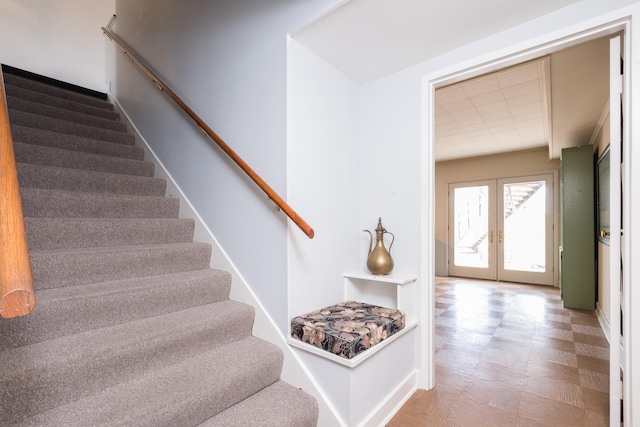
(600, 126)
(386, 410)
(604, 323)
(293, 370)
(427, 330)
(545, 70)
(615, 150)
(631, 298)
(355, 361)
(606, 329)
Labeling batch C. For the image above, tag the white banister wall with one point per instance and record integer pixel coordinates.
(227, 60)
(59, 39)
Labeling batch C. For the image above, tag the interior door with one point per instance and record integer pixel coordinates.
(616, 278)
(502, 229)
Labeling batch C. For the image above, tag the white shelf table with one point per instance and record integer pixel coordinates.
(392, 291)
(398, 291)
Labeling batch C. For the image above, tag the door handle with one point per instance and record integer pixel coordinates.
(500, 236)
(491, 236)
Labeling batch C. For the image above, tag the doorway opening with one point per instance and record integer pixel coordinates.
(441, 80)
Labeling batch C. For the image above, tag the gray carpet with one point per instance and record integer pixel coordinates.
(131, 326)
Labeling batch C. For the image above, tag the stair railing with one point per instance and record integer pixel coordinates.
(271, 194)
(17, 297)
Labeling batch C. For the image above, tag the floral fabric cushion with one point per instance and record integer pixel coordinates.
(347, 329)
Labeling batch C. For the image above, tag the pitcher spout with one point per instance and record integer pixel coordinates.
(370, 241)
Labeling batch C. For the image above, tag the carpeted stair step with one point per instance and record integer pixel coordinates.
(184, 394)
(52, 139)
(27, 106)
(106, 357)
(75, 309)
(41, 155)
(71, 267)
(39, 97)
(39, 176)
(63, 158)
(58, 92)
(280, 405)
(37, 202)
(73, 233)
(22, 118)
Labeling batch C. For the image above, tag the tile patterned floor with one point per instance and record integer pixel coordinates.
(510, 355)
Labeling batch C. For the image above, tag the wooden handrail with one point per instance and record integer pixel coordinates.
(17, 297)
(306, 228)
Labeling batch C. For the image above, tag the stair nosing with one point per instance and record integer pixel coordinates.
(99, 134)
(184, 377)
(121, 248)
(44, 99)
(144, 167)
(132, 152)
(71, 116)
(56, 91)
(96, 175)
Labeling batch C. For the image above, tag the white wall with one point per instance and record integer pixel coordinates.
(390, 172)
(60, 39)
(396, 130)
(323, 179)
(227, 60)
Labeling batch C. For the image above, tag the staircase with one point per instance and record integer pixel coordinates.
(131, 326)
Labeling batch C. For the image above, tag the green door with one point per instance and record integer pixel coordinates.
(578, 267)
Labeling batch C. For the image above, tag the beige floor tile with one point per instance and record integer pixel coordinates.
(592, 351)
(550, 412)
(512, 355)
(468, 412)
(549, 370)
(593, 364)
(594, 380)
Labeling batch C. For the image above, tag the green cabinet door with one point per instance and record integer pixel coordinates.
(578, 268)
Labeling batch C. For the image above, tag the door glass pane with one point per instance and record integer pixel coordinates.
(524, 226)
(471, 226)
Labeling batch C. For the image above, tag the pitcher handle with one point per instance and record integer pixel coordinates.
(393, 238)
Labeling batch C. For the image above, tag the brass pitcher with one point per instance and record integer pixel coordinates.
(379, 260)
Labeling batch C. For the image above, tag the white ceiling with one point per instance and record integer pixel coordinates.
(500, 112)
(368, 39)
(555, 102)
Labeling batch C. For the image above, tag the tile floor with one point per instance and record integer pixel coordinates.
(510, 355)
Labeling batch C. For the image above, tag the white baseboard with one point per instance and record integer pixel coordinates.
(264, 327)
(383, 412)
(604, 322)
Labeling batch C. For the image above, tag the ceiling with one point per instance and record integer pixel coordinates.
(555, 101)
(552, 102)
(504, 111)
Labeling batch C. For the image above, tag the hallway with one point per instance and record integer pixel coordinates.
(510, 355)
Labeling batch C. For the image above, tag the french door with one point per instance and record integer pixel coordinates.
(502, 229)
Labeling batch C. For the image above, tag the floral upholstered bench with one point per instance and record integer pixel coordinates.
(347, 329)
